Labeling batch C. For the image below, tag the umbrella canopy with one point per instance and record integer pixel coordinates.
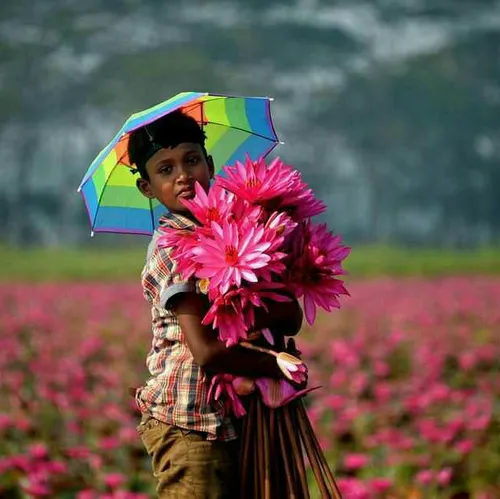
(234, 126)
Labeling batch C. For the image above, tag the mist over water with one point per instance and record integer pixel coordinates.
(389, 108)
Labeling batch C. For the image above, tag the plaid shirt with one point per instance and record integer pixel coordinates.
(176, 393)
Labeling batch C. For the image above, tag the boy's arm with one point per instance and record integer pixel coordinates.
(211, 353)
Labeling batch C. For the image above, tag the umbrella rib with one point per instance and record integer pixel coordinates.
(242, 130)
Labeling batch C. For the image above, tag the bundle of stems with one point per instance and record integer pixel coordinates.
(274, 445)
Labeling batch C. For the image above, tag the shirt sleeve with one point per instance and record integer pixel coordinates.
(160, 280)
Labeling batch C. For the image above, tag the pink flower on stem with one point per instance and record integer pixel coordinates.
(464, 446)
(380, 485)
(425, 477)
(37, 489)
(281, 223)
(444, 476)
(226, 314)
(355, 461)
(275, 186)
(228, 257)
(314, 265)
(257, 182)
(38, 451)
(214, 206)
(233, 313)
(295, 371)
(222, 388)
(114, 480)
(180, 243)
(301, 203)
(244, 211)
(86, 494)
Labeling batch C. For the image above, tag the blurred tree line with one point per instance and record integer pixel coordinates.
(390, 108)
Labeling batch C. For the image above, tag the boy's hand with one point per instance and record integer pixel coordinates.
(282, 317)
(211, 353)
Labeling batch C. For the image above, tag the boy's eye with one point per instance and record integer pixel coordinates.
(192, 160)
(166, 169)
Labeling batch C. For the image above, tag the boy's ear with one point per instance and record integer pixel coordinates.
(211, 167)
(145, 188)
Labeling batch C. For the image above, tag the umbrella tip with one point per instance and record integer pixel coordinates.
(79, 189)
(271, 98)
(281, 143)
(91, 233)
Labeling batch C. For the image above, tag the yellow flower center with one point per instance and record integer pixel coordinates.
(203, 284)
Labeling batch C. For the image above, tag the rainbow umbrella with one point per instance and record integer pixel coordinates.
(235, 126)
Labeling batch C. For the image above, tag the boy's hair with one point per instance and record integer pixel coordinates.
(168, 131)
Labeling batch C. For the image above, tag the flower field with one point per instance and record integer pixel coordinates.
(409, 405)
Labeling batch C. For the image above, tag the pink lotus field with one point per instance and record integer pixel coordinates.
(409, 408)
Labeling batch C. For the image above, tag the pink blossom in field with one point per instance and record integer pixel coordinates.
(73, 352)
(444, 476)
(109, 443)
(425, 477)
(86, 494)
(356, 461)
(56, 467)
(464, 446)
(37, 489)
(380, 485)
(5, 422)
(38, 451)
(114, 480)
(352, 488)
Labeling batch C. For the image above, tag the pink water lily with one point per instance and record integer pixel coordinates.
(227, 315)
(223, 389)
(233, 313)
(214, 206)
(314, 266)
(257, 182)
(180, 244)
(228, 257)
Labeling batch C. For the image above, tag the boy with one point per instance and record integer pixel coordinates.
(192, 443)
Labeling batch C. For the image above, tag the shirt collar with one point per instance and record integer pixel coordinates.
(178, 221)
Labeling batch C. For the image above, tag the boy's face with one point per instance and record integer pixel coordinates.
(173, 173)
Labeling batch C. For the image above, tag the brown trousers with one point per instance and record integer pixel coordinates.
(187, 465)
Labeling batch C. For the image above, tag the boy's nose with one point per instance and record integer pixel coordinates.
(184, 175)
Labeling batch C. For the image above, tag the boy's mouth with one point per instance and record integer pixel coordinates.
(186, 193)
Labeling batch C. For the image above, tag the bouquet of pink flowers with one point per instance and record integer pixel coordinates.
(256, 242)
